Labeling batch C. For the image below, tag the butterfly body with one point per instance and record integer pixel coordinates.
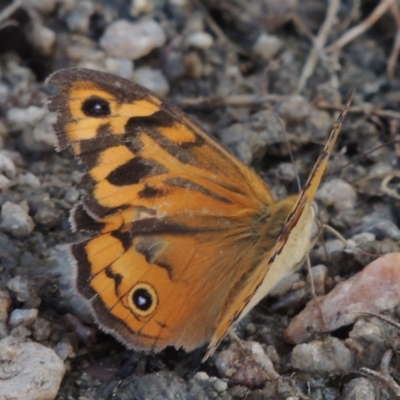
(289, 259)
(185, 238)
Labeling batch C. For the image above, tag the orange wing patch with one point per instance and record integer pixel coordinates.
(171, 211)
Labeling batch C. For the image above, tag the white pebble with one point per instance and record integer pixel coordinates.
(220, 385)
(328, 356)
(15, 220)
(20, 118)
(132, 40)
(119, 66)
(337, 193)
(267, 46)
(202, 376)
(29, 179)
(34, 371)
(152, 79)
(200, 40)
(23, 317)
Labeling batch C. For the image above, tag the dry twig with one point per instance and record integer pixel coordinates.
(384, 373)
(318, 44)
(363, 26)
(366, 108)
(240, 100)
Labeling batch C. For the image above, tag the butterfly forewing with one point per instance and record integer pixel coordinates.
(175, 217)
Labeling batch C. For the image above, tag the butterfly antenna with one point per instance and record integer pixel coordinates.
(289, 149)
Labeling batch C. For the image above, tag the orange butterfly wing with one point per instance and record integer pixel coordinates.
(175, 217)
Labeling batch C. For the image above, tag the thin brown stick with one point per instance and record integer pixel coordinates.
(241, 100)
(384, 373)
(318, 44)
(363, 26)
(366, 108)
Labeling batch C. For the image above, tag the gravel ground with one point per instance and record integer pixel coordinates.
(233, 66)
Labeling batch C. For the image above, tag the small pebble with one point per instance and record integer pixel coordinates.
(380, 168)
(359, 389)
(34, 371)
(330, 356)
(152, 79)
(251, 328)
(379, 227)
(202, 376)
(19, 285)
(267, 46)
(364, 330)
(29, 179)
(41, 329)
(72, 195)
(337, 193)
(294, 110)
(199, 40)
(140, 7)
(64, 350)
(7, 166)
(330, 247)
(14, 156)
(361, 238)
(22, 118)
(20, 333)
(220, 385)
(375, 289)
(262, 129)
(193, 66)
(285, 172)
(78, 20)
(119, 66)
(47, 215)
(8, 349)
(43, 38)
(174, 67)
(285, 285)
(5, 183)
(22, 317)
(133, 40)
(42, 137)
(250, 368)
(15, 220)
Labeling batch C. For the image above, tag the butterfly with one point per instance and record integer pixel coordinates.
(184, 239)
